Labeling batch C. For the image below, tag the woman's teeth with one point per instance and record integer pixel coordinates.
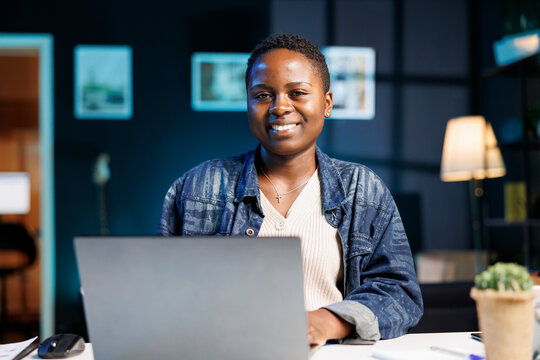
(283, 127)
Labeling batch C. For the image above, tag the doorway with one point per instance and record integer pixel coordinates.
(26, 141)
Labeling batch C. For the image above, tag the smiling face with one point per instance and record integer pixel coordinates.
(286, 103)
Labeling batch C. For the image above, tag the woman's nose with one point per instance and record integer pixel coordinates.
(281, 106)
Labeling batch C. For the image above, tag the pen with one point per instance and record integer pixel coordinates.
(476, 338)
(457, 353)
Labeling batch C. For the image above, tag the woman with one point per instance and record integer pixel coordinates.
(360, 283)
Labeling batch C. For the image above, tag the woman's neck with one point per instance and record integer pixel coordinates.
(282, 178)
(288, 169)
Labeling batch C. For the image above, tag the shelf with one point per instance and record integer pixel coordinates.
(529, 67)
(533, 144)
(503, 222)
(526, 72)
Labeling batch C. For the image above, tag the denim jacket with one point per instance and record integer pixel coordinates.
(381, 294)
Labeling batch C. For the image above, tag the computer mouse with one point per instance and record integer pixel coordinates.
(61, 346)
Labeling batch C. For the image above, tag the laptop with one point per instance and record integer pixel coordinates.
(193, 298)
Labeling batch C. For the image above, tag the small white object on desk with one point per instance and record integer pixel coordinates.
(458, 353)
(10, 351)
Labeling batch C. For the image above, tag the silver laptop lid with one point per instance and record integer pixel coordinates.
(193, 298)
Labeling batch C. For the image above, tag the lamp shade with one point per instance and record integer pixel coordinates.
(14, 193)
(470, 150)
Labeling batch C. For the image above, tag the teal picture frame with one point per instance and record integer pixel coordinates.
(218, 81)
(103, 82)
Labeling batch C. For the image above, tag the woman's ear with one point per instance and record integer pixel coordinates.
(328, 103)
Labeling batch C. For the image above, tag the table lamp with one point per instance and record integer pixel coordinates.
(470, 153)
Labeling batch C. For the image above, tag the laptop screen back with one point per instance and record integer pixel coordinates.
(193, 298)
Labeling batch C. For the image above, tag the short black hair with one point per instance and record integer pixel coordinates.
(291, 42)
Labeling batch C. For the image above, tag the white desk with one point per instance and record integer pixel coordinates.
(406, 343)
(403, 344)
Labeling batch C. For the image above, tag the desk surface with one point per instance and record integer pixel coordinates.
(416, 343)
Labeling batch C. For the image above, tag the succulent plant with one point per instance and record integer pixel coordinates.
(504, 276)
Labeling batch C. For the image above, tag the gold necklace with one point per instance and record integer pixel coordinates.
(278, 195)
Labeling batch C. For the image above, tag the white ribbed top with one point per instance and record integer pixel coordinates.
(321, 246)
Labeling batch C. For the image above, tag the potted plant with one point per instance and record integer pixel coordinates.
(504, 301)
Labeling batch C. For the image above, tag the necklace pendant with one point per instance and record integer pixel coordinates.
(278, 197)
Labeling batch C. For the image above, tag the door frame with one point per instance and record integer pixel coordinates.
(43, 43)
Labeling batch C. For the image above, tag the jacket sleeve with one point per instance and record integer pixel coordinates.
(170, 223)
(387, 300)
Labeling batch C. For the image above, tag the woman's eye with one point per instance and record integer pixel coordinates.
(298, 93)
(262, 96)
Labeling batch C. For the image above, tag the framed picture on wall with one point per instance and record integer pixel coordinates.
(103, 82)
(218, 81)
(352, 81)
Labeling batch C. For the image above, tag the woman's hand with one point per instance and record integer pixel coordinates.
(323, 325)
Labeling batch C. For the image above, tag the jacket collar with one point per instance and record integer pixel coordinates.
(248, 183)
(332, 189)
